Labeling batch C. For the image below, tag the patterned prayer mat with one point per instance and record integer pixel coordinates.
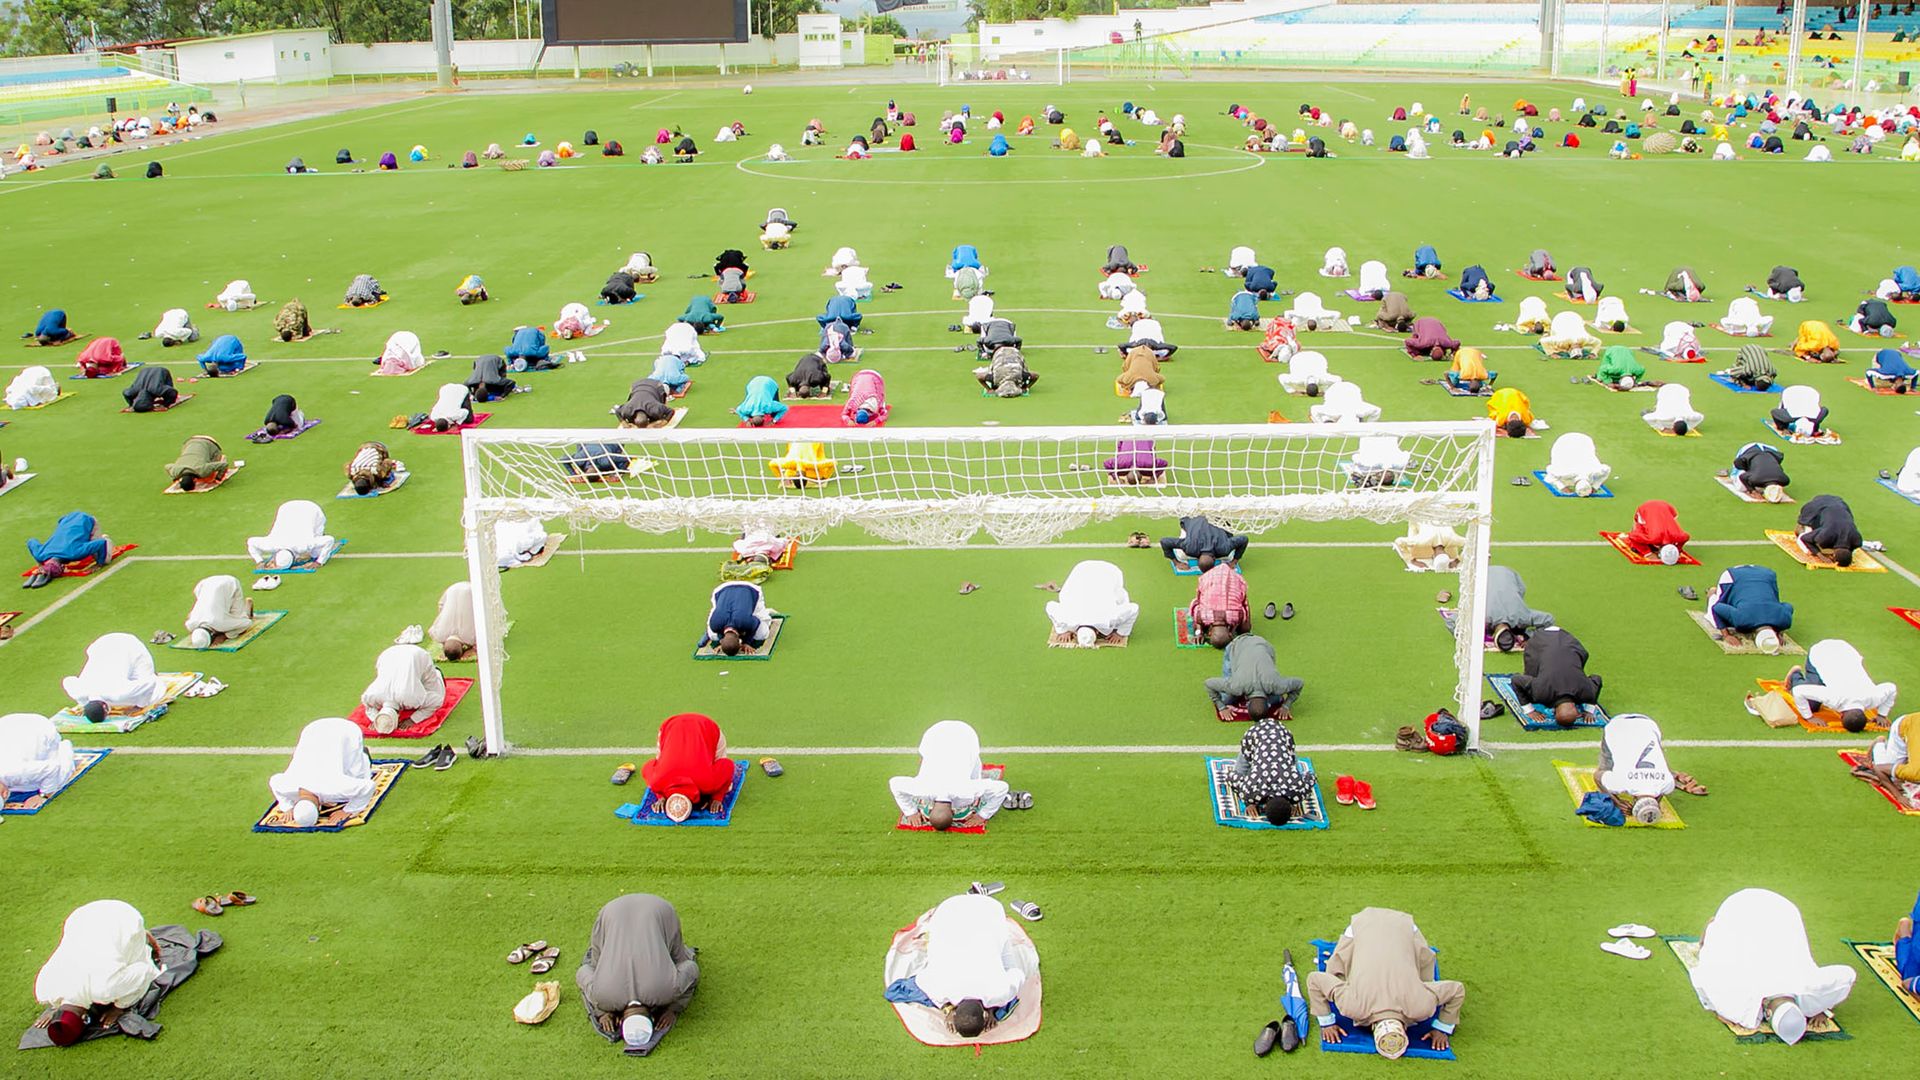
(386, 772)
(648, 812)
(1819, 1028)
(1232, 811)
(1579, 780)
(31, 803)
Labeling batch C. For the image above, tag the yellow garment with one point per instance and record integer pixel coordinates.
(1908, 727)
(1068, 140)
(1140, 364)
(1719, 133)
(1506, 402)
(803, 461)
(1911, 151)
(1470, 364)
(1815, 337)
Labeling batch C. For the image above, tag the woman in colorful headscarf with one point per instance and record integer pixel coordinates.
(866, 399)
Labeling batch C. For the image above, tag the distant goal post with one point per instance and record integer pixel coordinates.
(947, 487)
(962, 64)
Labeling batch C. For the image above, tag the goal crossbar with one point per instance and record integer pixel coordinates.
(947, 487)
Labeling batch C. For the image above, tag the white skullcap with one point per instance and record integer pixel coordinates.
(306, 814)
(1669, 554)
(637, 1029)
(1085, 636)
(1789, 1022)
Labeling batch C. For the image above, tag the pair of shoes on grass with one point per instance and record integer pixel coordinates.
(1623, 944)
(1350, 792)
(542, 955)
(215, 905)
(440, 758)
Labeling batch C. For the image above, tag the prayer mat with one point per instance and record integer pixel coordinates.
(263, 621)
(400, 476)
(305, 427)
(1729, 333)
(1822, 1028)
(1863, 333)
(1537, 277)
(16, 481)
(1863, 560)
(1359, 1040)
(180, 953)
(817, 416)
(1576, 354)
(1641, 558)
(785, 559)
(1878, 956)
(1806, 359)
(1648, 386)
(473, 421)
(1857, 759)
(1579, 781)
(1134, 273)
(907, 955)
(706, 650)
(1465, 299)
(1610, 330)
(1909, 616)
(1402, 477)
(1824, 720)
(1829, 437)
(244, 368)
(386, 772)
(115, 375)
(304, 565)
(363, 307)
(378, 374)
(1658, 429)
(1461, 391)
(8, 616)
(1744, 495)
(1487, 641)
(1657, 354)
(1363, 297)
(1185, 634)
(62, 396)
(201, 487)
(1727, 381)
(1193, 570)
(1114, 640)
(30, 802)
(1023, 393)
(1539, 717)
(1883, 391)
(648, 811)
(85, 566)
(673, 421)
(1232, 811)
(547, 551)
(745, 298)
(1734, 643)
(121, 719)
(1425, 566)
(177, 402)
(417, 729)
(73, 340)
(1323, 273)
(1601, 492)
(1895, 488)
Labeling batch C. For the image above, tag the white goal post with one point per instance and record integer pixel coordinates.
(974, 63)
(946, 487)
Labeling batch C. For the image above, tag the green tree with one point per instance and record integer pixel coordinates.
(876, 24)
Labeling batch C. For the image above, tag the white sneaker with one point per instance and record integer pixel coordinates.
(1631, 930)
(412, 635)
(1628, 949)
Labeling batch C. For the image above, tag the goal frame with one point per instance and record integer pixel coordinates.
(1053, 59)
(1469, 507)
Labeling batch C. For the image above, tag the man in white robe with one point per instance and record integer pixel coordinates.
(1574, 466)
(105, 958)
(517, 542)
(979, 310)
(237, 296)
(299, 533)
(948, 789)
(854, 284)
(1239, 260)
(1634, 764)
(1743, 319)
(453, 625)
(33, 756)
(1344, 405)
(1836, 677)
(33, 386)
(1673, 407)
(1755, 965)
(452, 406)
(972, 960)
(329, 768)
(1116, 286)
(176, 328)
(404, 681)
(219, 607)
(402, 354)
(1307, 374)
(1093, 603)
(683, 340)
(119, 672)
(842, 258)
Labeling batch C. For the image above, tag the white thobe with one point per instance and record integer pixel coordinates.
(1756, 949)
(1335, 264)
(1572, 459)
(219, 606)
(455, 617)
(1844, 683)
(1307, 367)
(638, 263)
(853, 284)
(404, 679)
(300, 527)
(970, 953)
(450, 405)
(119, 671)
(1095, 594)
(1612, 309)
(1567, 333)
(330, 760)
(518, 541)
(1801, 402)
(578, 313)
(1144, 329)
(1307, 305)
(103, 958)
(33, 756)
(236, 294)
(1117, 285)
(1908, 480)
(979, 310)
(1241, 258)
(683, 341)
(1638, 762)
(402, 354)
(1533, 312)
(776, 232)
(1678, 339)
(34, 386)
(175, 327)
(1344, 405)
(842, 258)
(1674, 401)
(1134, 304)
(1380, 453)
(949, 772)
(1373, 277)
(1744, 319)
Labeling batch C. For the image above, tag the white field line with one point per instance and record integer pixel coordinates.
(1558, 745)
(74, 594)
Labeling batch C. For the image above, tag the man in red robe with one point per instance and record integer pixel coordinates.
(692, 767)
(1657, 531)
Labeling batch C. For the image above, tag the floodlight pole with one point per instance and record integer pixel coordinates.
(442, 19)
(1795, 31)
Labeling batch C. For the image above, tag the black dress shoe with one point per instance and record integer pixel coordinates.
(1271, 610)
(1290, 1039)
(1268, 1038)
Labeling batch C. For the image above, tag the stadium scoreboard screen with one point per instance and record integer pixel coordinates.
(643, 22)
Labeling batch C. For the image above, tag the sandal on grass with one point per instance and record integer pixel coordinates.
(1685, 782)
(623, 774)
(545, 961)
(236, 898)
(1026, 909)
(986, 888)
(522, 953)
(207, 905)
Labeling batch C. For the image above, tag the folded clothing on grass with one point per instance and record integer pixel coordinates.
(648, 812)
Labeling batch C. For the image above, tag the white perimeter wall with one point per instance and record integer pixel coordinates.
(1097, 29)
(416, 57)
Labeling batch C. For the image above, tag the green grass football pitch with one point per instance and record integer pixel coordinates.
(381, 948)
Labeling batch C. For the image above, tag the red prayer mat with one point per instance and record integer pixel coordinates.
(419, 729)
(1642, 558)
(85, 566)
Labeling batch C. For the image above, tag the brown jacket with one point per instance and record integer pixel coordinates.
(1384, 970)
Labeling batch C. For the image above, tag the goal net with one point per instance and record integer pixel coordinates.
(948, 487)
(972, 62)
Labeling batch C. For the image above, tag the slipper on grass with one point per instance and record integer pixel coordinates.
(208, 906)
(545, 961)
(236, 898)
(523, 953)
(1628, 949)
(771, 766)
(1268, 1038)
(1026, 909)
(623, 774)
(1632, 930)
(987, 888)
